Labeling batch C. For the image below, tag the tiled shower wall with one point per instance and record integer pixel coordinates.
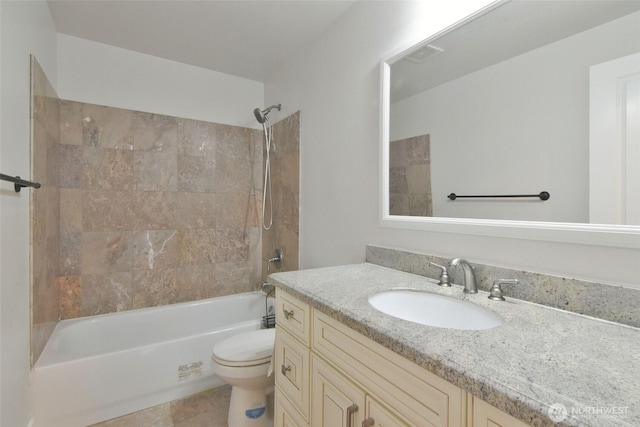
(285, 176)
(138, 210)
(45, 213)
(410, 177)
(155, 209)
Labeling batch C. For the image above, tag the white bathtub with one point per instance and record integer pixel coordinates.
(101, 367)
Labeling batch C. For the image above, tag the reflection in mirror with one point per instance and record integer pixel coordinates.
(501, 105)
(410, 177)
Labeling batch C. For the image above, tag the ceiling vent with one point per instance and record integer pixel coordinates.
(422, 53)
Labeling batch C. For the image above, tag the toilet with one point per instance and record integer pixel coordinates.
(243, 361)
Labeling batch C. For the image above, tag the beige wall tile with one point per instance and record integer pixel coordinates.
(196, 138)
(70, 288)
(155, 249)
(156, 287)
(106, 127)
(104, 210)
(196, 210)
(71, 166)
(195, 174)
(106, 293)
(70, 122)
(107, 251)
(155, 171)
(155, 210)
(107, 169)
(237, 210)
(196, 247)
(70, 254)
(70, 210)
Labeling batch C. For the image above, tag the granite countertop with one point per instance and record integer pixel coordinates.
(541, 358)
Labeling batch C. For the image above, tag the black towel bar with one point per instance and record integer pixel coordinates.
(19, 183)
(542, 196)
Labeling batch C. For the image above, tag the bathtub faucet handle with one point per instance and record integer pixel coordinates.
(277, 258)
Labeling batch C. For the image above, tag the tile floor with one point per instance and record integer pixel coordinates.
(207, 409)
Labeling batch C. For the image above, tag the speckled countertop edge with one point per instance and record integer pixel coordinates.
(538, 358)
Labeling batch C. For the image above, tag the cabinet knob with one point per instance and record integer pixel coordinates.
(350, 411)
(287, 314)
(285, 369)
(369, 422)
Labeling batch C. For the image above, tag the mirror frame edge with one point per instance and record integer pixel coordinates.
(618, 236)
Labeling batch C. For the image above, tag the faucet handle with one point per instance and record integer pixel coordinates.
(278, 257)
(444, 275)
(495, 293)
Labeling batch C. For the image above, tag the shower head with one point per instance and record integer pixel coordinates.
(261, 115)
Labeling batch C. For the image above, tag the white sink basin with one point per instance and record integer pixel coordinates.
(434, 310)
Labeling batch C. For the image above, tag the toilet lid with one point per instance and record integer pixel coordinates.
(247, 348)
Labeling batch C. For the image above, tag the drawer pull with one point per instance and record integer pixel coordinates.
(369, 422)
(350, 411)
(287, 314)
(285, 369)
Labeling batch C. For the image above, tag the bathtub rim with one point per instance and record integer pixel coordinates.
(50, 357)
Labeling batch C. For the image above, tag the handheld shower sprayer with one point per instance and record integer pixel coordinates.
(261, 115)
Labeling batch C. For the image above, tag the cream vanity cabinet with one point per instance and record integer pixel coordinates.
(328, 375)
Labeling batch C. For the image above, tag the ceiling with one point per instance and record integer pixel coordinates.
(507, 31)
(242, 37)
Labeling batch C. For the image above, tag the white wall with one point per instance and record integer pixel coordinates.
(106, 75)
(335, 83)
(526, 128)
(26, 27)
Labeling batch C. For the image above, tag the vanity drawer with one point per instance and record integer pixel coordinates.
(422, 398)
(292, 370)
(293, 315)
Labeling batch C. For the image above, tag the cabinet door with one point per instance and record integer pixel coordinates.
(485, 415)
(285, 413)
(291, 361)
(380, 416)
(336, 402)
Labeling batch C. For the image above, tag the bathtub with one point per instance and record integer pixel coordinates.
(97, 368)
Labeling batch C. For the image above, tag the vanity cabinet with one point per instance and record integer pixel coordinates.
(328, 375)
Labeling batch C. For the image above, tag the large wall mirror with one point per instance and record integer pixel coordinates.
(523, 98)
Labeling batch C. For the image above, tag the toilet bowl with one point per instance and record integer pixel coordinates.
(243, 362)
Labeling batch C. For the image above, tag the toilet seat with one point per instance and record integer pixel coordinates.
(246, 349)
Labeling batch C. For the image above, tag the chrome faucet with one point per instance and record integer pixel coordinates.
(470, 285)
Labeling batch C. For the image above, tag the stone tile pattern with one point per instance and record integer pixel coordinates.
(154, 209)
(603, 301)
(45, 214)
(285, 175)
(410, 177)
(207, 409)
